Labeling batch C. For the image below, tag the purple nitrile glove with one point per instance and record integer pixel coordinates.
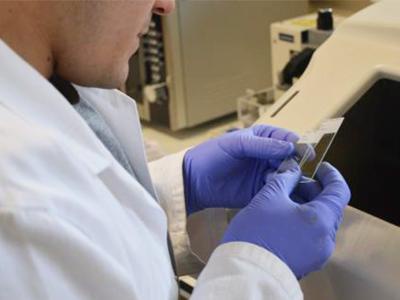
(229, 170)
(301, 235)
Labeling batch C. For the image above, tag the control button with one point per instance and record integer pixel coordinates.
(153, 42)
(155, 68)
(325, 19)
(156, 77)
(154, 34)
(155, 60)
(153, 91)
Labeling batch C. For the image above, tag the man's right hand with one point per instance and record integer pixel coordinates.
(301, 235)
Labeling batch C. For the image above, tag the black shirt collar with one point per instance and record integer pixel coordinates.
(65, 88)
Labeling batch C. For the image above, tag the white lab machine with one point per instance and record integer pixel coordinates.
(293, 42)
(356, 74)
(299, 37)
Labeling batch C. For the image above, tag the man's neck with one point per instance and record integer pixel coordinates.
(21, 33)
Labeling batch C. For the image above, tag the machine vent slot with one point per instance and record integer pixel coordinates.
(284, 104)
(286, 37)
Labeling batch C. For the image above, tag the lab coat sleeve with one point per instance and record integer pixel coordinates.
(239, 270)
(167, 178)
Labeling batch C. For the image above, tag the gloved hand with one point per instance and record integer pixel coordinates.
(301, 235)
(228, 171)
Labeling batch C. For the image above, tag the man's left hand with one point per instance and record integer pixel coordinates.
(229, 170)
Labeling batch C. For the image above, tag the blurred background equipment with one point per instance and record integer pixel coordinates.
(194, 64)
(293, 43)
(254, 104)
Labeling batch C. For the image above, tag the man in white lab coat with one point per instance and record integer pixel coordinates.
(81, 216)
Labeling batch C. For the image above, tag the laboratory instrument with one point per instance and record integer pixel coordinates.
(355, 73)
(293, 42)
(194, 63)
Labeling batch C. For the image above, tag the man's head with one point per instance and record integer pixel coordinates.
(90, 41)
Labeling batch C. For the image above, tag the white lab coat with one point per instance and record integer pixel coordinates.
(75, 225)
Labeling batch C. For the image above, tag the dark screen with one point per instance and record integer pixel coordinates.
(367, 151)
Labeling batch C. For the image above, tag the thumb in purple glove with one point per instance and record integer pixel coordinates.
(301, 235)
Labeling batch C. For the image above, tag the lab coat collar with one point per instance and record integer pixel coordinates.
(29, 95)
(120, 113)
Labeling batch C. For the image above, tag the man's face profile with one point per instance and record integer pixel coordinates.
(85, 42)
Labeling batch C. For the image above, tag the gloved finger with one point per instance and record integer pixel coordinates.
(287, 176)
(305, 151)
(335, 192)
(264, 148)
(275, 132)
(269, 175)
(284, 135)
(297, 199)
(307, 191)
(263, 130)
(274, 163)
(279, 184)
(301, 152)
